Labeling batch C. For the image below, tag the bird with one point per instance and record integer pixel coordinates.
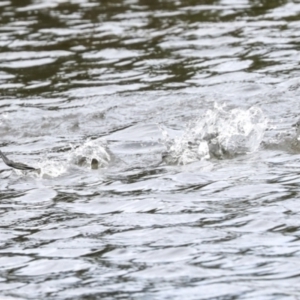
(16, 165)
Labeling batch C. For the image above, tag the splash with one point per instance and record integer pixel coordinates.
(220, 133)
(51, 168)
(83, 156)
(90, 152)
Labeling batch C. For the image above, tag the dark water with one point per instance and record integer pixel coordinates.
(124, 82)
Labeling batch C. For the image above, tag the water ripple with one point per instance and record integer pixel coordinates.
(128, 83)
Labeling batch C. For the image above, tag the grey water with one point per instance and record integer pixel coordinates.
(188, 108)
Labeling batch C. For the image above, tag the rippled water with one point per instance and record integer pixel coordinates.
(188, 107)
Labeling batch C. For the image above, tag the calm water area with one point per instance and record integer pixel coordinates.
(162, 130)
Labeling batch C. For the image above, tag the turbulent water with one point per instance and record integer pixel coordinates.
(187, 109)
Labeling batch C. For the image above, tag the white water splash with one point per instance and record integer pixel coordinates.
(219, 133)
(81, 156)
(51, 168)
(91, 149)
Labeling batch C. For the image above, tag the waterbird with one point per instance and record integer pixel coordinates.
(16, 165)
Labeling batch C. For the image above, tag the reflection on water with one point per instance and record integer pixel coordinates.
(55, 46)
(86, 80)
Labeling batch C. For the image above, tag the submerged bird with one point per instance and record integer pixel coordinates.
(16, 165)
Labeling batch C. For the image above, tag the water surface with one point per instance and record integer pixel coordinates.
(126, 82)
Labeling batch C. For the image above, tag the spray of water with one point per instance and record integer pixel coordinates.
(219, 133)
(90, 151)
(51, 168)
(84, 156)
